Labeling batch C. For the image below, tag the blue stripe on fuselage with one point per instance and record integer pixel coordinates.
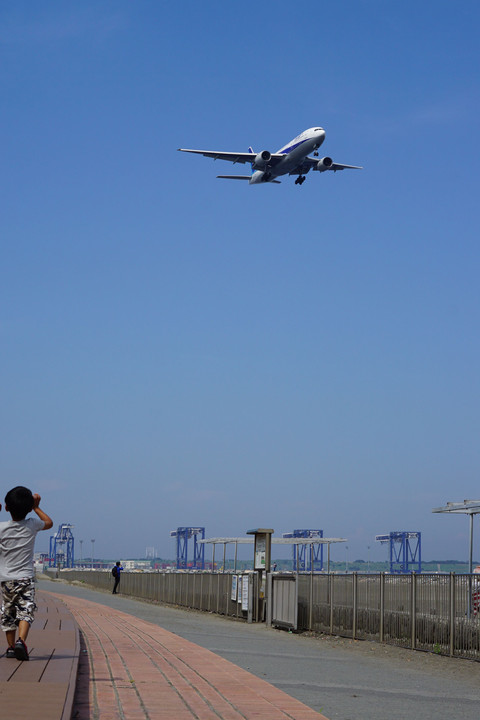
(289, 149)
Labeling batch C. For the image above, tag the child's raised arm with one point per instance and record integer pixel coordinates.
(42, 515)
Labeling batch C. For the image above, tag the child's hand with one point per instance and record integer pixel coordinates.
(36, 500)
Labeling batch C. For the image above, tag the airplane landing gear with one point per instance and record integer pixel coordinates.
(300, 180)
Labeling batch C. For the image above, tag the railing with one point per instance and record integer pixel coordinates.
(437, 613)
(211, 592)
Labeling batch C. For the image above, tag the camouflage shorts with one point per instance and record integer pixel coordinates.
(18, 602)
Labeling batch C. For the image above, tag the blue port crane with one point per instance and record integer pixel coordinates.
(62, 547)
(183, 535)
(405, 550)
(306, 554)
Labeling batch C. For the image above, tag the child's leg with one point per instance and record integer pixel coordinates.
(25, 606)
(23, 628)
(8, 613)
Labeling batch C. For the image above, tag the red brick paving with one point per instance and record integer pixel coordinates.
(131, 669)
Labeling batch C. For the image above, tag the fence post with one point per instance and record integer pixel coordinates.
(251, 597)
(354, 619)
(452, 613)
(269, 599)
(239, 585)
(382, 604)
(331, 576)
(310, 610)
(413, 609)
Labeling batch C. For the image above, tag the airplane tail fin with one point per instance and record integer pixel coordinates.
(250, 150)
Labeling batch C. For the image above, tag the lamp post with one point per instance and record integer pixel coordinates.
(93, 543)
(346, 558)
(81, 553)
(467, 507)
(471, 508)
(368, 579)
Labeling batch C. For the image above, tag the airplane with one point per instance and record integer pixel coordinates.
(292, 159)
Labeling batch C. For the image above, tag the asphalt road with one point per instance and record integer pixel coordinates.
(343, 679)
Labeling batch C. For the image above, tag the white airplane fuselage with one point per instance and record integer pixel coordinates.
(295, 152)
(292, 159)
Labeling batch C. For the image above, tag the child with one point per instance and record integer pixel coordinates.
(17, 540)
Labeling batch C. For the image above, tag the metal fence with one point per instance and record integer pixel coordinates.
(210, 592)
(436, 613)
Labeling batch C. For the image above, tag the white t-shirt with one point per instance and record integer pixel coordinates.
(17, 540)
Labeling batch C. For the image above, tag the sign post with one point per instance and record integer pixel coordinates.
(262, 555)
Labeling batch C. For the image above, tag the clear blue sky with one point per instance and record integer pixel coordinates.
(181, 350)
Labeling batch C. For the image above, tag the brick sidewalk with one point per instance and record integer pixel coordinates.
(132, 669)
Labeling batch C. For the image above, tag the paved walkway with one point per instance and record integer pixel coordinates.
(132, 669)
(343, 679)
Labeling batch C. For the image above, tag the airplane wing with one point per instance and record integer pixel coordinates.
(243, 177)
(338, 166)
(242, 157)
(235, 177)
(310, 163)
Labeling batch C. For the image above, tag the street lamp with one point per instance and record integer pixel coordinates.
(471, 508)
(93, 543)
(468, 507)
(346, 558)
(81, 553)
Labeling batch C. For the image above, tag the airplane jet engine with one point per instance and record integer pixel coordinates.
(262, 160)
(324, 164)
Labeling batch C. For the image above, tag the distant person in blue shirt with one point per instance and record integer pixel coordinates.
(116, 570)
